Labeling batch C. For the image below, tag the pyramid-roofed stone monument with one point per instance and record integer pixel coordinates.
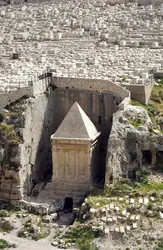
(74, 155)
(76, 124)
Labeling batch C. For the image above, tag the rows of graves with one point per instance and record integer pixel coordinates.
(90, 39)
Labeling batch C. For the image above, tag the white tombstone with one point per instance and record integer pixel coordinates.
(116, 47)
(3, 13)
(155, 44)
(150, 7)
(58, 36)
(42, 59)
(24, 8)
(145, 75)
(12, 16)
(51, 35)
(122, 43)
(38, 37)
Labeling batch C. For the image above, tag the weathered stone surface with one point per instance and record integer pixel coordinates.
(75, 140)
(126, 144)
(66, 219)
(15, 170)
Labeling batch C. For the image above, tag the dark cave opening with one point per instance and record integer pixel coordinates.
(68, 205)
(146, 157)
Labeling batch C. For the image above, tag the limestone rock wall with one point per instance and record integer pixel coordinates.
(30, 161)
(10, 188)
(17, 160)
(95, 106)
(127, 142)
(34, 120)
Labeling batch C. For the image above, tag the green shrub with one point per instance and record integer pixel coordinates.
(4, 244)
(142, 175)
(6, 226)
(21, 233)
(83, 237)
(3, 213)
(160, 245)
(41, 235)
(151, 188)
(8, 131)
(157, 93)
(28, 230)
(137, 122)
(151, 109)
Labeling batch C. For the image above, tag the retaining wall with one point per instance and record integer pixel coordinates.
(150, 2)
(33, 89)
(140, 93)
(97, 85)
(14, 95)
(159, 74)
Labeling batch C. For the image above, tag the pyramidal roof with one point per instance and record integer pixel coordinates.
(76, 125)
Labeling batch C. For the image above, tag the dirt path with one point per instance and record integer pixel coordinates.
(26, 244)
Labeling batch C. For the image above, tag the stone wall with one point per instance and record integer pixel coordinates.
(140, 93)
(34, 89)
(97, 85)
(150, 2)
(12, 96)
(39, 87)
(159, 74)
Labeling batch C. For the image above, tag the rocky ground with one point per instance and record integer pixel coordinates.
(26, 244)
(28, 231)
(125, 216)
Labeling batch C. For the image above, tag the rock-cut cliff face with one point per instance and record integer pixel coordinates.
(132, 134)
(24, 144)
(20, 131)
